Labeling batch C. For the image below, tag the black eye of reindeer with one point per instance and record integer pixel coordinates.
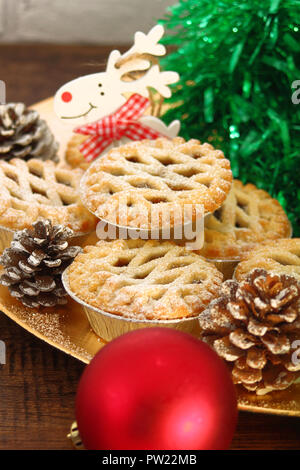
(99, 84)
(102, 93)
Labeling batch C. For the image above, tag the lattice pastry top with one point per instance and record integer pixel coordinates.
(139, 279)
(248, 217)
(40, 189)
(155, 176)
(279, 256)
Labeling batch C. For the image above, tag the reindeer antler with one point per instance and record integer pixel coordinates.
(148, 43)
(140, 56)
(156, 79)
(138, 67)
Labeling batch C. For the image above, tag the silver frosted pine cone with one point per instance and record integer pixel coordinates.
(23, 134)
(34, 263)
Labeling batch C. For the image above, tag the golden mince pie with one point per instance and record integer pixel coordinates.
(143, 280)
(136, 184)
(39, 189)
(73, 155)
(278, 256)
(248, 217)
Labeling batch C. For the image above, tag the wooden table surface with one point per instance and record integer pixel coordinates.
(38, 383)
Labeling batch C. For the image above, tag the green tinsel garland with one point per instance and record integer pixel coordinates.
(237, 60)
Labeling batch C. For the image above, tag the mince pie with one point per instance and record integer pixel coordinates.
(143, 280)
(136, 184)
(36, 189)
(278, 256)
(73, 155)
(248, 217)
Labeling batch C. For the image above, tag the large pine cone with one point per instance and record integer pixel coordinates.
(255, 325)
(23, 134)
(34, 264)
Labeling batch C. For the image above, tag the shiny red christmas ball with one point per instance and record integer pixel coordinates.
(156, 388)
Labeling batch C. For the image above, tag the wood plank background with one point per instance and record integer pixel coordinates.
(38, 383)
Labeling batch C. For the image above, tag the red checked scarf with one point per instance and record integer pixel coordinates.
(123, 123)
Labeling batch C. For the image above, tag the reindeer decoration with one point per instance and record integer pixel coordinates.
(93, 97)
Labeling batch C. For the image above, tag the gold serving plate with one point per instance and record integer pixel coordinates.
(67, 328)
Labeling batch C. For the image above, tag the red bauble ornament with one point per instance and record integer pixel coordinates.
(156, 388)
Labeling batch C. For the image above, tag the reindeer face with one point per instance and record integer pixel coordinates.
(95, 96)
(88, 98)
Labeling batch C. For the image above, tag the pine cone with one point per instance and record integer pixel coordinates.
(253, 325)
(23, 134)
(34, 263)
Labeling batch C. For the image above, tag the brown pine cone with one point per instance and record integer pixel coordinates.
(23, 134)
(253, 325)
(34, 263)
